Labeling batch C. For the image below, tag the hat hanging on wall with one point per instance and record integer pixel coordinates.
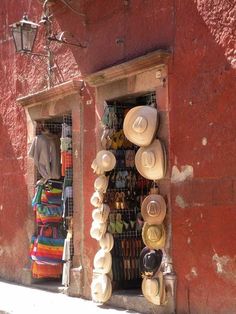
(107, 242)
(150, 161)
(141, 124)
(98, 230)
(101, 288)
(101, 183)
(102, 262)
(101, 213)
(96, 199)
(153, 209)
(154, 236)
(150, 261)
(106, 160)
(154, 289)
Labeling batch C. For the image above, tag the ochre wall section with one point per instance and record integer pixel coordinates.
(200, 36)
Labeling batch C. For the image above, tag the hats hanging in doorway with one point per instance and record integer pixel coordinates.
(153, 209)
(150, 161)
(106, 160)
(154, 289)
(150, 261)
(98, 230)
(141, 124)
(101, 288)
(102, 262)
(107, 242)
(101, 213)
(154, 236)
(101, 183)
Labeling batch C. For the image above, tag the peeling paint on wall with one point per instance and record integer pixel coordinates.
(225, 266)
(180, 201)
(192, 274)
(177, 175)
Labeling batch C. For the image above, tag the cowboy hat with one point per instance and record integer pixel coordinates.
(105, 160)
(96, 168)
(98, 230)
(150, 161)
(107, 242)
(150, 261)
(141, 124)
(101, 214)
(101, 288)
(96, 199)
(153, 209)
(102, 262)
(154, 236)
(101, 183)
(154, 289)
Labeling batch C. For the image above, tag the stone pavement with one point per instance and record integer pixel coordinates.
(16, 299)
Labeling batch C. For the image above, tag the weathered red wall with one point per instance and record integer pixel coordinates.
(200, 35)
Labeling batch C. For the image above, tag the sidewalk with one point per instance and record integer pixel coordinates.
(18, 299)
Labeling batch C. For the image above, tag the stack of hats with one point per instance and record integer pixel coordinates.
(101, 287)
(140, 127)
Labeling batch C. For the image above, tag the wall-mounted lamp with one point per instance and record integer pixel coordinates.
(24, 34)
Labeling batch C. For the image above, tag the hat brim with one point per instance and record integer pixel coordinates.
(147, 136)
(158, 170)
(158, 219)
(112, 163)
(155, 299)
(155, 245)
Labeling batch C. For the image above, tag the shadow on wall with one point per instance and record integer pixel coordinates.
(14, 214)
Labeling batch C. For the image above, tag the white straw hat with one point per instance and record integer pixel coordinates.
(141, 124)
(98, 230)
(96, 199)
(150, 161)
(101, 288)
(102, 262)
(101, 214)
(153, 209)
(101, 183)
(154, 289)
(107, 242)
(106, 160)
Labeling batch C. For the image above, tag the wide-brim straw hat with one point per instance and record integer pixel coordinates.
(96, 199)
(154, 289)
(150, 161)
(102, 262)
(141, 124)
(98, 230)
(101, 183)
(107, 242)
(101, 213)
(153, 209)
(150, 261)
(106, 160)
(154, 236)
(101, 288)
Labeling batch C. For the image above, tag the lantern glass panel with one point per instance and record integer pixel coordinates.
(28, 37)
(16, 32)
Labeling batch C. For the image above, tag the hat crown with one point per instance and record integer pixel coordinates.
(150, 261)
(153, 208)
(100, 182)
(106, 160)
(140, 124)
(148, 159)
(154, 233)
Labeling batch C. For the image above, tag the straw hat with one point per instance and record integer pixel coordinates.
(150, 261)
(106, 160)
(153, 209)
(101, 288)
(154, 236)
(107, 242)
(96, 199)
(141, 124)
(96, 168)
(150, 161)
(101, 183)
(101, 214)
(154, 289)
(98, 230)
(102, 262)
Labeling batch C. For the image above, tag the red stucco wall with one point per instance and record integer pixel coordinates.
(201, 36)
